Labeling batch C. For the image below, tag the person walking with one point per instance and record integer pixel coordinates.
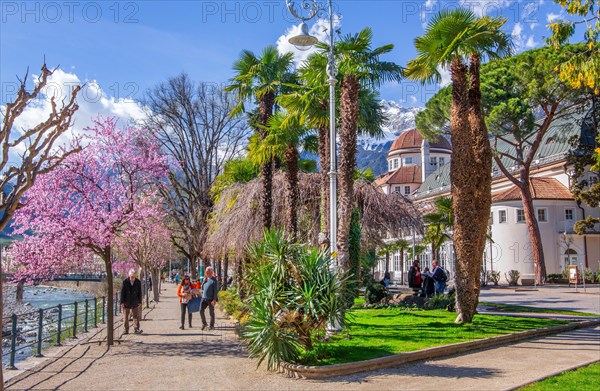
(414, 277)
(386, 279)
(131, 302)
(184, 291)
(210, 291)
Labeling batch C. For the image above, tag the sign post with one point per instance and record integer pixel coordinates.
(573, 275)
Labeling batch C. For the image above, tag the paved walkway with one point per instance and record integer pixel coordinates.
(166, 358)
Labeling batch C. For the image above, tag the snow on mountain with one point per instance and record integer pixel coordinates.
(372, 151)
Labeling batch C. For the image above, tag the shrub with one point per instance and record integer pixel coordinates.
(375, 293)
(445, 301)
(513, 277)
(494, 277)
(589, 275)
(291, 294)
(232, 305)
(555, 277)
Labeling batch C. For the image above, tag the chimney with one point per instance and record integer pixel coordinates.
(425, 164)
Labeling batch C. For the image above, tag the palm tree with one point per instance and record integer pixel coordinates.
(438, 224)
(458, 39)
(282, 141)
(310, 100)
(259, 79)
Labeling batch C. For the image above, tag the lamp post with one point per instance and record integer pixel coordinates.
(303, 42)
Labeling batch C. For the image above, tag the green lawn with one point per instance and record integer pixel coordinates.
(520, 308)
(582, 379)
(383, 332)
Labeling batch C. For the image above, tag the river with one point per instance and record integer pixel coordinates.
(34, 298)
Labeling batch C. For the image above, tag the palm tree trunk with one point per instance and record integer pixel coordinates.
(350, 88)
(534, 232)
(291, 158)
(323, 134)
(266, 104)
(471, 172)
(462, 193)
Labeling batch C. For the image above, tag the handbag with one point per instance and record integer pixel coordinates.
(194, 304)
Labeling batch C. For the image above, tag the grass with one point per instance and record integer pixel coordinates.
(525, 309)
(582, 379)
(383, 332)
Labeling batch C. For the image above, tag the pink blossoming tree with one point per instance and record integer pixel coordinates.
(147, 243)
(88, 201)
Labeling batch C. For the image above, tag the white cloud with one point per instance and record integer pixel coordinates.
(530, 44)
(320, 30)
(445, 73)
(413, 99)
(517, 30)
(92, 101)
(553, 17)
(533, 25)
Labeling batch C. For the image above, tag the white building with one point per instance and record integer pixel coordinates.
(509, 248)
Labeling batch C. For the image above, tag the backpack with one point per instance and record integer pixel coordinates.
(442, 276)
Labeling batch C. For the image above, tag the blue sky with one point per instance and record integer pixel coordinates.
(129, 46)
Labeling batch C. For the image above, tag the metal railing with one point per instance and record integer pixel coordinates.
(29, 333)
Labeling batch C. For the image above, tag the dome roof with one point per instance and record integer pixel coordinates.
(412, 139)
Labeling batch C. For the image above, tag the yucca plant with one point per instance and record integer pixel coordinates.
(292, 294)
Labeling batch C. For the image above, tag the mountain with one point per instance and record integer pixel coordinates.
(372, 151)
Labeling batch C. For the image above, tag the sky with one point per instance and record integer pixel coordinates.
(122, 48)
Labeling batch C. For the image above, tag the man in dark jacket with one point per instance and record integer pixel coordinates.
(209, 298)
(131, 301)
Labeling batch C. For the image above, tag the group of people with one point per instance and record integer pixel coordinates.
(206, 292)
(426, 283)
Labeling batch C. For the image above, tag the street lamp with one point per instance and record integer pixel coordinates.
(303, 42)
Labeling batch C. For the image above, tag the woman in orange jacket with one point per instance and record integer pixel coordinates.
(184, 291)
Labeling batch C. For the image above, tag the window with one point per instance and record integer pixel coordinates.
(390, 166)
(395, 163)
(569, 213)
(442, 161)
(433, 161)
(397, 189)
(406, 190)
(501, 216)
(520, 216)
(491, 220)
(542, 215)
(408, 161)
(396, 262)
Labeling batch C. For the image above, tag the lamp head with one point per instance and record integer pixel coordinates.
(304, 40)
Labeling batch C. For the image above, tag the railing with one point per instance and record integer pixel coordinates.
(29, 333)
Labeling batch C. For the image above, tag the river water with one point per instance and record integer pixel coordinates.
(34, 298)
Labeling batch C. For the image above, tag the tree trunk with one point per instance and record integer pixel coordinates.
(324, 160)
(401, 266)
(471, 173)
(348, 134)
(293, 192)
(20, 290)
(1, 317)
(265, 111)
(110, 303)
(147, 286)
(156, 282)
(387, 261)
(464, 202)
(225, 270)
(534, 232)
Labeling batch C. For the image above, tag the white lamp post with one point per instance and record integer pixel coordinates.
(303, 42)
